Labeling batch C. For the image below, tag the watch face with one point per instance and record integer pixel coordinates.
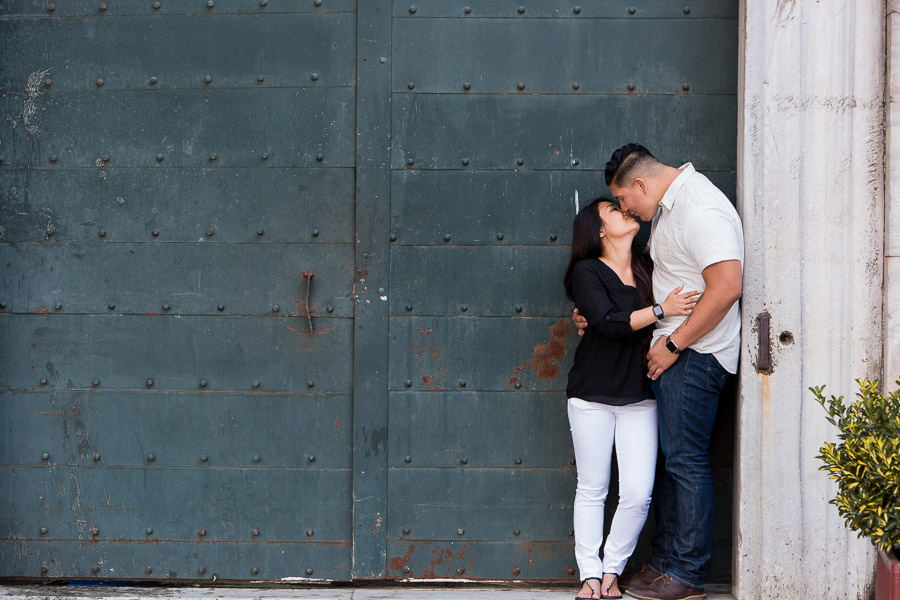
(670, 345)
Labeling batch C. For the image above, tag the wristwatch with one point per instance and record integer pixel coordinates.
(658, 311)
(672, 346)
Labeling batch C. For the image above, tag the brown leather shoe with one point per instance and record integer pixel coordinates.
(666, 588)
(639, 579)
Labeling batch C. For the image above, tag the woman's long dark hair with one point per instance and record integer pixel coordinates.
(587, 243)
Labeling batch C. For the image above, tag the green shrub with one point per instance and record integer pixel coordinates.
(866, 461)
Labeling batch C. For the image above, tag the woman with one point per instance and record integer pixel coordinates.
(610, 400)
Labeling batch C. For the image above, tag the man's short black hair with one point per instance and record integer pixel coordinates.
(623, 162)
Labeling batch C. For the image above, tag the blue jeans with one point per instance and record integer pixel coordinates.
(687, 395)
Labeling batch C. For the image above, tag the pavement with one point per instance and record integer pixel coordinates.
(325, 592)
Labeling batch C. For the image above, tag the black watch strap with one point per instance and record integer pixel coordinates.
(658, 311)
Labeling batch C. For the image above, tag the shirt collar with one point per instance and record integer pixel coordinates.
(668, 199)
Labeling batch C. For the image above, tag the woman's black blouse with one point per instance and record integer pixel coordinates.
(610, 366)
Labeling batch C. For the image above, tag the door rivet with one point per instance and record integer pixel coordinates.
(151, 457)
(149, 531)
(553, 237)
(575, 162)
(467, 86)
(155, 233)
(310, 533)
(95, 531)
(148, 570)
(465, 162)
(412, 10)
(461, 570)
(519, 308)
(446, 237)
(202, 383)
(96, 457)
(95, 569)
(464, 460)
(315, 233)
(149, 382)
(255, 532)
(204, 458)
(256, 458)
(154, 80)
(518, 461)
(43, 531)
(256, 384)
(309, 571)
(260, 78)
(516, 571)
(207, 79)
(577, 10)
(311, 458)
(43, 567)
(408, 383)
(406, 570)
(166, 307)
(460, 531)
(329, 309)
(406, 530)
(159, 157)
(408, 459)
(255, 571)
(411, 85)
(95, 382)
(265, 156)
(220, 307)
(521, 85)
(521, 10)
(517, 532)
(685, 86)
(103, 6)
(631, 86)
(53, 158)
(686, 10)
(212, 156)
(201, 570)
(520, 161)
(570, 570)
(45, 456)
(409, 307)
(631, 10)
(576, 85)
(43, 381)
(100, 83)
(320, 157)
(314, 76)
(310, 383)
(467, 10)
(202, 533)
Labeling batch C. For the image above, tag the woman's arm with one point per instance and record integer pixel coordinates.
(593, 300)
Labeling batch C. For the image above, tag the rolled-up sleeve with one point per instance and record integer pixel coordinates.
(592, 299)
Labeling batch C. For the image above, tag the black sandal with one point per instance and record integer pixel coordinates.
(593, 591)
(604, 595)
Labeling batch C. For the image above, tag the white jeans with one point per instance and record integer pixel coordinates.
(595, 427)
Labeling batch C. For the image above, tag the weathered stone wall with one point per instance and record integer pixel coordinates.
(811, 195)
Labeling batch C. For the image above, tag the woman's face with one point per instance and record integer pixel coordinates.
(617, 224)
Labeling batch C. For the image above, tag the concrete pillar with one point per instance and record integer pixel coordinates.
(892, 203)
(811, 195)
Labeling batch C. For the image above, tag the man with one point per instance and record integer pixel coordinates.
(695, 240)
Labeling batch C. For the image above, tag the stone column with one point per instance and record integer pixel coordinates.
(892, 203)
(811, 195)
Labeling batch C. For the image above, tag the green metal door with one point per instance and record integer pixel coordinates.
(280, 279)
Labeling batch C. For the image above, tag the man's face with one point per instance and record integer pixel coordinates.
(635, 199)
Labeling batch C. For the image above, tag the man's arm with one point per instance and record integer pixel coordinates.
(723, 288)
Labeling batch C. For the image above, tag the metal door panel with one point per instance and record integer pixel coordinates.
(202, 504)
(188, 128)
(441, 55)
(202, 429)
(553, 131)
(198, 8)
(180, 51)
(480, 353)
(170, 561)
(522, 430)
(488, 207)
(181, 205)
(482, 560)
(175, 353)
(505, 281)
(158, 278)
(520, 9)
(484, 504)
